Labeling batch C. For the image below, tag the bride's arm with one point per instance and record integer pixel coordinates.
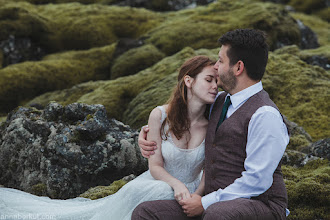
(156, 163)
(200, 188)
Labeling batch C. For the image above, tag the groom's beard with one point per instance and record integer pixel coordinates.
(228, 81)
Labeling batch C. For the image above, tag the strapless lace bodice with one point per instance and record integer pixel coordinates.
(183, 164)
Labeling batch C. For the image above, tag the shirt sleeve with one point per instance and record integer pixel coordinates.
(266, 142)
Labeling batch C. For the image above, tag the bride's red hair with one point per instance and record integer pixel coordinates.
(177, 111)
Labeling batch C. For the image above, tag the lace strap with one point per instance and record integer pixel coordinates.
(162, 109)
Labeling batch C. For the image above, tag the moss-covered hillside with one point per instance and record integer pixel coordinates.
(127, 59)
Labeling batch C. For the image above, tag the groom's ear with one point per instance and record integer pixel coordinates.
(188, 81)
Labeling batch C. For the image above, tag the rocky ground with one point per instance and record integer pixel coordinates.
(118, 59)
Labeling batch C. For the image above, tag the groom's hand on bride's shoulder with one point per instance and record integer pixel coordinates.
(192, 206)
(146, 147)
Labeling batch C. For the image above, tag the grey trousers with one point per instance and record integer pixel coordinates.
(238, 209)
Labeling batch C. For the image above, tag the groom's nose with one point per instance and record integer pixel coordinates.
(216, 65)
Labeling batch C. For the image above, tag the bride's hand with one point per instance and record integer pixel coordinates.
(181, 192)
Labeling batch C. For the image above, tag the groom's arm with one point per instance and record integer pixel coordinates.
(266, 143)
(147, 148)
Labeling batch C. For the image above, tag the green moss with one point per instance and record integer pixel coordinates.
(26, 80)
(89, 116)
(103, 191)
(319, 26)
(3, 119)
(323, 51)
(39, 189)
(16, 19)
(64, 1)
(202, 26)
(299, 90)
(68, 96)
(297, 142)
(307, 6)
(308, 190)
(74, 26)
(324, 14)
(116, 94)
(315, 7)
(134, 60)
(296, 87)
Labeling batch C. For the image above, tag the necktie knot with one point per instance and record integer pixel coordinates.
(224, 111)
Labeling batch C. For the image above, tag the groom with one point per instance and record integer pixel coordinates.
(245, 142)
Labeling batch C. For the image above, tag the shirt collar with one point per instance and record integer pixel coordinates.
(245, 94)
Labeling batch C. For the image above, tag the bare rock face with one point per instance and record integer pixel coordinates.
(61, 151)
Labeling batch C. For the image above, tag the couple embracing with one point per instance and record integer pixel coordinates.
(211, 155)
(245, 138)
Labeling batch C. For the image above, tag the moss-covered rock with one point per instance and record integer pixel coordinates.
(24, 81)
(135, 59)
(300, 90)
(202, 26)
(73, 25)
(39, 189)
(116, 94)
(308, 190)
(308, 6)
(65, 1)
(103, 191)
(1, 59)
(17, 20)
(319, 26)
(311, 7)
(324, 14)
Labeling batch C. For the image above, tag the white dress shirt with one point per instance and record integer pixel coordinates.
(266, 142)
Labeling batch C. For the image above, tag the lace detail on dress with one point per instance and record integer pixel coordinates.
(183, 164)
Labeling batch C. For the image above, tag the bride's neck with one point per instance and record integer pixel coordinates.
(195, 111)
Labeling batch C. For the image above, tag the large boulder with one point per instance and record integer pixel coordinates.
(60, 152)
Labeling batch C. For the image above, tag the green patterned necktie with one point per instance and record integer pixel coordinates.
(224, 111)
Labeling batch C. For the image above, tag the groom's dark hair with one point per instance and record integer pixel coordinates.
(249, 46)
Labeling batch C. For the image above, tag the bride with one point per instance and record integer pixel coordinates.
(175, 170)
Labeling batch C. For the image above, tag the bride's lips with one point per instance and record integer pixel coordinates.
(213, 93)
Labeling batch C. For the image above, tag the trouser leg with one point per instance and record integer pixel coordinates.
(160, 210)
(239, 209)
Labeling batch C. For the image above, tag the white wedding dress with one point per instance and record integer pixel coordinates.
(183, 164)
